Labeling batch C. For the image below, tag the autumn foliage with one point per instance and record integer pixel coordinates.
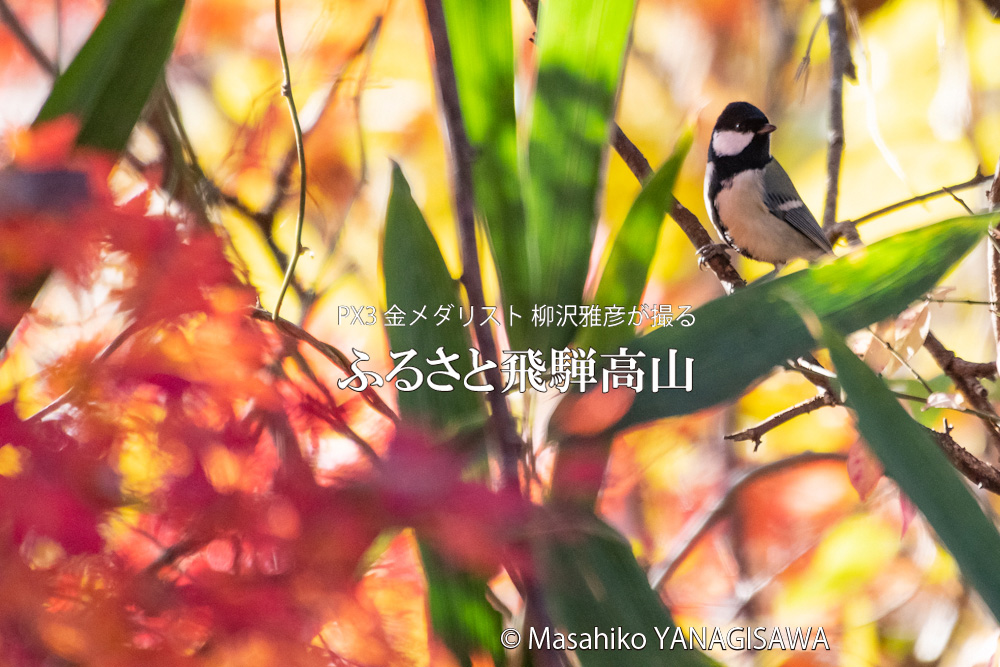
(163, 507)
(185, 479)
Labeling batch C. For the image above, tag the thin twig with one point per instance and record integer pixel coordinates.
(903, 361)
(330, 414)
(344, 429)
(923, 400)
(961, 202)
(848, 228)
(967, 302)
(756, 433)
(8, 17)
(972, 182)
(286, 91)
(993, 277)
(338, 358)
(503, 422)
(840, 58)
(803, 68)
(700, 525)
(367, 51)
(265, 216)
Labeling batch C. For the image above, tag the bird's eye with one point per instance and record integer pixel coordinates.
(739, 126)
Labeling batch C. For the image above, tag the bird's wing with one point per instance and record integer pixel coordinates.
(784, 202)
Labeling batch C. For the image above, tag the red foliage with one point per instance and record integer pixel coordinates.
(163, 510)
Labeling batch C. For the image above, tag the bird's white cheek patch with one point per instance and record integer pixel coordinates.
(729, 142)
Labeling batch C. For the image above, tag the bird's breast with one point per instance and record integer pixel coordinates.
(752, 228)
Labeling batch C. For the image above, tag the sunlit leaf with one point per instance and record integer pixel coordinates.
(416, 278)
(581, 48)
(107, 84)
(459, 610)
(923, 473)
(738, 338)
(482, 49)
(627, 271)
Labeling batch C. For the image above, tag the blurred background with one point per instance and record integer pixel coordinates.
(796, 547)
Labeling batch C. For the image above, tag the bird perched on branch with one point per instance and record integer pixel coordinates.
(750, 199)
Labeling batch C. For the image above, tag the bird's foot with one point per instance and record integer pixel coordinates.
(708, 251)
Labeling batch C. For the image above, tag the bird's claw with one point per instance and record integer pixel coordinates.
(708, 251)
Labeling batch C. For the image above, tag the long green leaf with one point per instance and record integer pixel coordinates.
(107, 84)
(625, 275)
(417, 280)
(460, 612)
(482, 49)
(581, 50)
(911, 457)
(591, 581)
(736, 339)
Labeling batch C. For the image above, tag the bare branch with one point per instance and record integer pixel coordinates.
(703, 523)
(980, 473)
(286, 92)
(503, 422)
(994, 263)
(962, 374)
(961, 202)
(840, 62)
(338, 358)
(946, 190)
(8, 17)
(685, 219)
(756, 433)
(803, 69)
(967, 302)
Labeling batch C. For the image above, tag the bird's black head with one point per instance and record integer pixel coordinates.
(742, 133)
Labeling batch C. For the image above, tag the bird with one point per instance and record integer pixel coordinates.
(750, 199)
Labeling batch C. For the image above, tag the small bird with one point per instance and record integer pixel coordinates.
(750, 198)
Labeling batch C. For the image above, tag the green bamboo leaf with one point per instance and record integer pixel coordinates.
(460, 612)
(107, 84)
(416, 278)
(626, 273)
(912, 458)
(581, 50)
(591, 581)
(482, 49)
(736, 339)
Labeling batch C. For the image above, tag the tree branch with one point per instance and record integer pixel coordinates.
(286, 92)
(963, 374)
(8, 17)
(836, 230)
(702, 524)
(504, 426)
(338, 358)
(980, 473)
(756, 433)
(685, 219)
(994, 263)
(840, 62)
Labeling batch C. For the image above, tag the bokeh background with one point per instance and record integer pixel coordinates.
(795, 548)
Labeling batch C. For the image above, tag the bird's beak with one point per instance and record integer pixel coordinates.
(767, 129)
